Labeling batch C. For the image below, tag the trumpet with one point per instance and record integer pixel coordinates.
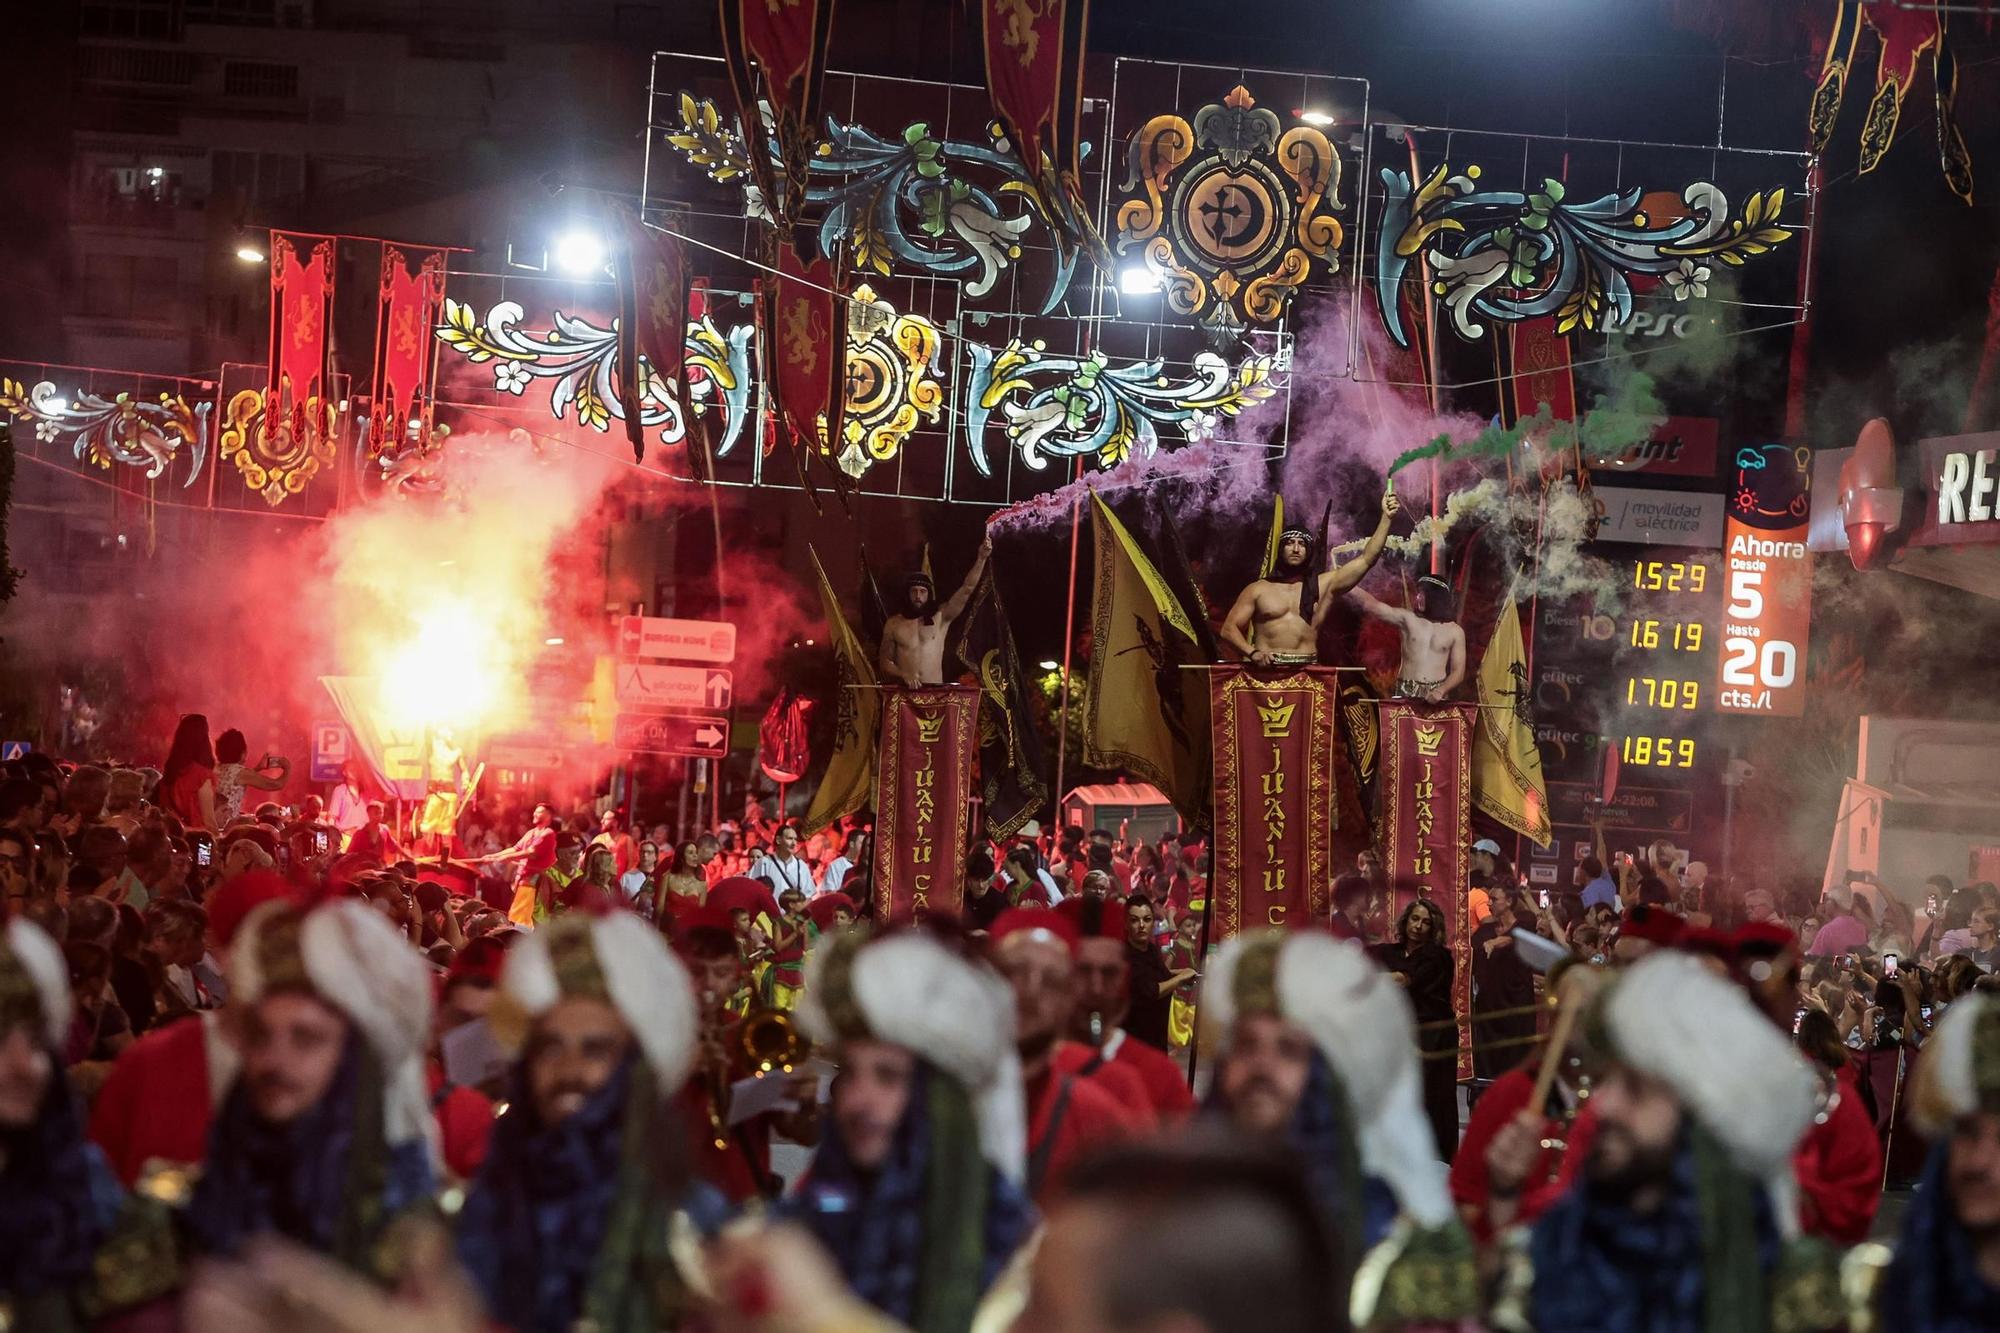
(769, 1041)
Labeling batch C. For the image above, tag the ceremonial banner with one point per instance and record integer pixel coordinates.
(1542, 370)
(1506, 763)
(1010, 749)
(802, 336)
(1142, 713)
(1274, 798)
(652, 319)
(785, 42)
(857, 705)
(1424, 824)
(301, 312)
(1034, 71)
(923, 789)
(411, 299)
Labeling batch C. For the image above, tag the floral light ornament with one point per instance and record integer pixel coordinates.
(510, 377)
(1688, 279)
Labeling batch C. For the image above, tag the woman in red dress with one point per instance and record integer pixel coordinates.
(187, 780)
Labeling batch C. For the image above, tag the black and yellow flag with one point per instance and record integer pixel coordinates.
(1506, 764)
(1010, 749)
(1142, 713)
(849, 780)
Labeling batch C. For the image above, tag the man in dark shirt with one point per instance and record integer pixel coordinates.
(983, 902)
(1152, 983)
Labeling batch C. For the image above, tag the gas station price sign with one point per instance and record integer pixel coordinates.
(1663, 671)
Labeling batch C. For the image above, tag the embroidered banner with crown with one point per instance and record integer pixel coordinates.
(1423, 793)
(924, 789)
(1274, 797)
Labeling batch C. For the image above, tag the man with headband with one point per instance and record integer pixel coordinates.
(918, 1186)
(913, 640)
(1316, 1052)
(575, 1221)
(1276, 620)
(1433, 660)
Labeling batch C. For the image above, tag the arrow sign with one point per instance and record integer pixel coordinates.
(698, 734)
(660, 687)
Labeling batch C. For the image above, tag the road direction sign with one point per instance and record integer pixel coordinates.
(663, 687)
(677, 640)
(703, 735)
(12, 750)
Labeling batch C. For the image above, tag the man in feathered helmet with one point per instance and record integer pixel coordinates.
(917, 1190)
(577, 1218)
(1316, 1052)
(912, 651)
(1686, 1216)
(1276, 620)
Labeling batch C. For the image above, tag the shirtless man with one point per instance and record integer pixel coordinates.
(1269, 624)
(913, 642)
(1433, 644)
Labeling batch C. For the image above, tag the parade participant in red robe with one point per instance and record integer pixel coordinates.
(1067, 1114)
(1103, 999)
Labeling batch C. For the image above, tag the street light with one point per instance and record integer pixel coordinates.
(249, 254)
(1137, 280)
(579, 252)
(1051, 666)
(1319, 118)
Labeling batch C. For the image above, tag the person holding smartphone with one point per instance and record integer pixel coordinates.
(233, 777)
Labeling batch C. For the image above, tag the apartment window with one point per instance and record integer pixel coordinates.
(130, 286)
(253, 12)
(139, 64)
(260, 80)
(127, 18)
(264, 177)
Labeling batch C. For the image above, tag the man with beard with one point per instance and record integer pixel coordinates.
(574, 1220)
(326, 1136)
(1433, 661)
(1067, 1114)
(1316, 1053)
(1276, 620)
(917, 1188)
(913, 642)
(1945, 1277)
(58, 1198)
(533, 854)
(1686, 1209)
(1103, 1000)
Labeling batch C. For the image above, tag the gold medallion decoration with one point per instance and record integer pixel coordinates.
(1234, 213)
(276, 464)
(891, 382)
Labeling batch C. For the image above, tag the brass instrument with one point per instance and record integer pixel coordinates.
(769, 1041)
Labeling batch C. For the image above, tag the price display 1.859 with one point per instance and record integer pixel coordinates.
(1657, 751)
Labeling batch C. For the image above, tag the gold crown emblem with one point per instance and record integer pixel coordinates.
(1276, 715)
(1430, 737)
(929, 727)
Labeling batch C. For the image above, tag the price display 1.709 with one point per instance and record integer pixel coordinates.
(1657, 751)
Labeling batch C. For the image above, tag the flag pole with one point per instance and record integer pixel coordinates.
(1069, 638)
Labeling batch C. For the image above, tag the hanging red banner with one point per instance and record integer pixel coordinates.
(1029, 51)
(785, 42)
(803, 336)
(301, 308)
(412, 296)
(1542, 372)
(653, 312)
(1424, 823)
(924, 786)
(1274, 797)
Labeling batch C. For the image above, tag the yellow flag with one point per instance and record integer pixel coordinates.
(1506, 765)
(849, 781)
(1272, 544)
(1142, 713)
